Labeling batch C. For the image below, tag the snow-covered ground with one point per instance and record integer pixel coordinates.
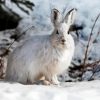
(68, 91)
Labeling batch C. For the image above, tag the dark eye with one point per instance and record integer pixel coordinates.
(57, 32)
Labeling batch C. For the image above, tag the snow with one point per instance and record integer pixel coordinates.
(67, 91)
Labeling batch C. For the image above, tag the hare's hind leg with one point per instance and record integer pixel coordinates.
(41, 80)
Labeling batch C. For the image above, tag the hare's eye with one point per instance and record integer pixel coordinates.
(57, 32)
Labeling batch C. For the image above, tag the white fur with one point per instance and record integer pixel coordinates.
(42, 55)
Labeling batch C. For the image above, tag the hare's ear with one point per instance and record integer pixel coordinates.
(70, 16)
(56, 17)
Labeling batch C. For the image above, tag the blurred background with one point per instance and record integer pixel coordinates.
(21, 19)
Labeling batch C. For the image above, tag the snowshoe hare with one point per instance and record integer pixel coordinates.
(43, 55)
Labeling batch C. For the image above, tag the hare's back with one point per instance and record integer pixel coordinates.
(30, 49)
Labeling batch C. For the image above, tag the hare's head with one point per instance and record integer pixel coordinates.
(61, 25)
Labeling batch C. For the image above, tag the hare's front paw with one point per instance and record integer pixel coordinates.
(55, 80)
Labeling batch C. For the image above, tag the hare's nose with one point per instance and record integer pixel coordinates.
(63, 40)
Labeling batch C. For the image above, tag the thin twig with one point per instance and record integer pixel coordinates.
(98, 33)
(7, 50)
(95, 70)
(93, 64)
(87, 47)
(27, 3)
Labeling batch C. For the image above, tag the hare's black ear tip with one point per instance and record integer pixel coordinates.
(54, 9)
(75, 9)
(72, 10)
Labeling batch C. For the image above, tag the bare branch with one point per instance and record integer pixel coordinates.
(22, 8)
(98, 33)
(93, 64)
(87, 47)
(26, 3)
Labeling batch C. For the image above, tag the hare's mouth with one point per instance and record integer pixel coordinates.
(63, 41)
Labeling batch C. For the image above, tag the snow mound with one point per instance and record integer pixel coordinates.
(68, 91)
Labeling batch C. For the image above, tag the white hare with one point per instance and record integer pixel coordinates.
(47, 55)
